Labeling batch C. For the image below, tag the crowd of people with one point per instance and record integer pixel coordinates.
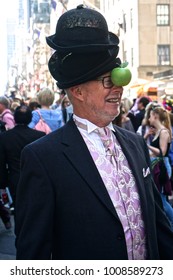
(19, 123)
(92, 188)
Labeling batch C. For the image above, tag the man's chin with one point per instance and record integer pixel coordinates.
(115, 115)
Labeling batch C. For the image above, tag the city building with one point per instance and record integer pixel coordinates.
(8, 24)
(144, 27)
(146, 39)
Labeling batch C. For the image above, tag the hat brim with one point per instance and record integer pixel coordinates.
(112, 42)
(64, 82)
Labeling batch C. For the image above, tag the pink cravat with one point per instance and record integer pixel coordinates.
(105, 136)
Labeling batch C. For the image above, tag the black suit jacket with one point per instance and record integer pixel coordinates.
(63, 209)
(11, 144)
(137, 118)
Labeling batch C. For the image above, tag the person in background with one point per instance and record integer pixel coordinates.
(33, 104)
(5, 215)
(62, 94)
(168, 105)
(122, 120)
(170, 155)
(14, 105)
(94, 196)
(52, 117)
(159, 148)
(69, 112)
(127, 104)
(11, 144)
(171, 146)
(58, 101)
(137, 117)
(145, 129)
(65, 102)
(5, 113)
(66, 108)
(18, 98)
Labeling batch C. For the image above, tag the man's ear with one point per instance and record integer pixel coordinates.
(76, 92)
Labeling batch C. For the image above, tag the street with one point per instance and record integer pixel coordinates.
(7, 239)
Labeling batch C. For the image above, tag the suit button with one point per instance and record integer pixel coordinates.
(120, 237)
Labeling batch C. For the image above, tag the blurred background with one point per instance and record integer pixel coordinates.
(144, 27)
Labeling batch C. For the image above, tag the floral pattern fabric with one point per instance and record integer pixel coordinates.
(121, 186)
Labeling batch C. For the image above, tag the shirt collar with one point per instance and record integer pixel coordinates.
(89, 125)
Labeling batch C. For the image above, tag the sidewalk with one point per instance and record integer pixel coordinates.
(7, 239)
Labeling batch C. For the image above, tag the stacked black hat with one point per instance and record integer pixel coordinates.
(84, 48)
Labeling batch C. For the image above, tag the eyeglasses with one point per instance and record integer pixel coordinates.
(106, 81)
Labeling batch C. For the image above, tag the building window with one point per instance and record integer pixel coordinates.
(125, 55)
(124, 22)
(97, 4)
(163, 54)
(131, 18)
(163, 14)
(132, 57)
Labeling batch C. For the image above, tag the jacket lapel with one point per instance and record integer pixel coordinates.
(82, 161)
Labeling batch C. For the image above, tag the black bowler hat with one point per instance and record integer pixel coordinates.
(84, 48)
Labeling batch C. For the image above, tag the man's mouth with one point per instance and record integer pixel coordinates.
(113, 100)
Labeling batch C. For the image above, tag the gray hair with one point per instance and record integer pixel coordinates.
(46, 97)
(4, 101)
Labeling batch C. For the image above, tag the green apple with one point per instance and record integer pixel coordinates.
(121, 76)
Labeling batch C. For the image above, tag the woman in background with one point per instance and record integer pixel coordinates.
(122, 120)
(159, 150)
(146, 130)
(53, 118)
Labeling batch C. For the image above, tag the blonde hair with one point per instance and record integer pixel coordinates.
(46, 97)
(127, 104)
(150, 106)
(164, 117)
(171, 118)
(14, 105)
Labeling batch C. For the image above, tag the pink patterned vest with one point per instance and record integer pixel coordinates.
(121, 186)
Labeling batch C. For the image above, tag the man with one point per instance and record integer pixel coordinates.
(88, 200)
(137, 118)
(11, 144)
